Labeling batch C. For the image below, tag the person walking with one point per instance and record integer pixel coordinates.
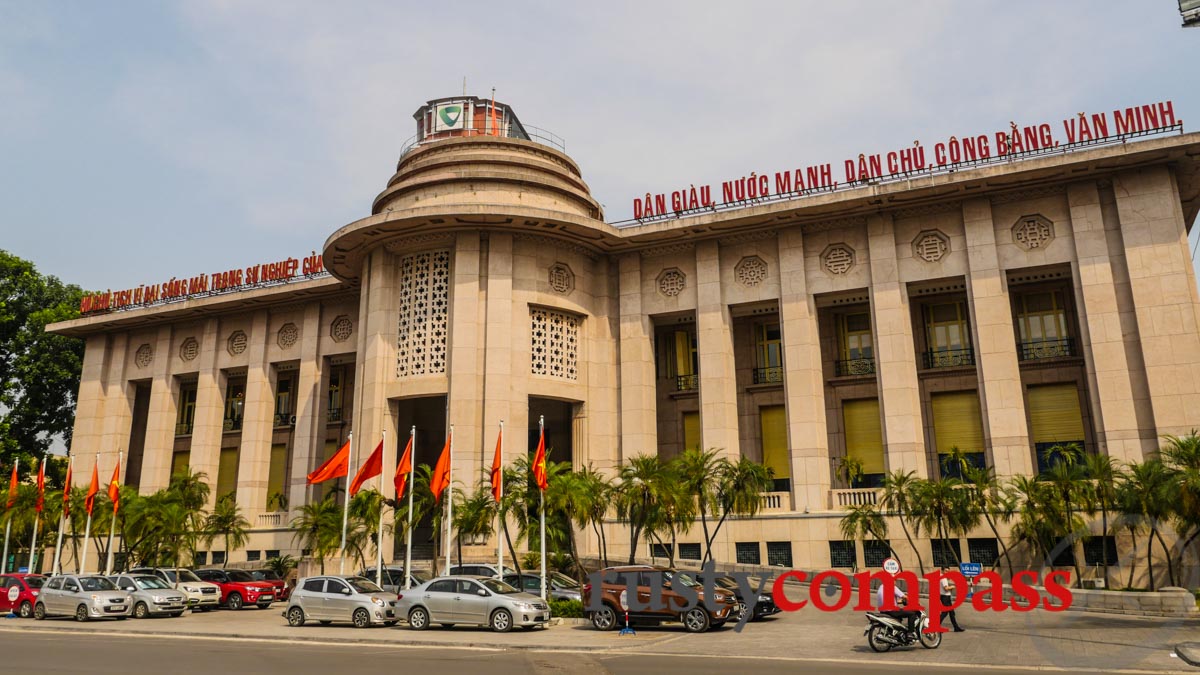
(947, 596)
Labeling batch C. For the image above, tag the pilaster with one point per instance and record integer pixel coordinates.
(714, 337)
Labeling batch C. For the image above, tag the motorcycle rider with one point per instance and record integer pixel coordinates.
(907, 616)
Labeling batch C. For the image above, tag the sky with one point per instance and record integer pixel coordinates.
(141, 141)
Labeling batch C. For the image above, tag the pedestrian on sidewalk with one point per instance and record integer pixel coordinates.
(947, 595)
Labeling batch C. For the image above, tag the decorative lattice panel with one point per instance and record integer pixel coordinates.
(554, 343)
(189, 350)
(424, 313)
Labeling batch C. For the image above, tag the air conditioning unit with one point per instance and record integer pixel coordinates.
(1093, 584)
(292, 420)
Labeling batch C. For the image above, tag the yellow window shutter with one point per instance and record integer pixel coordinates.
(774, 440)
(179, 462)
(691, 430)
(1054, 413)
(957, 422)
(227, 472)
(864, 434)
(277, 479)
(683, 353)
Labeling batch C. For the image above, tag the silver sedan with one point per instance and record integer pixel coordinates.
(340, 598)
(83, 596)
(470, 599)
(151, 596)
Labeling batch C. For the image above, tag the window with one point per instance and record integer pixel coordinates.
(773, 420)
(277, 478)
(856, 336)
(1041, 317)
(227, 472)
(235, 403)
(689, 551)
(283, 400)
(253, 556)
(864, 440)
(70, 585)
(469, 587)
(875, 552)
(1065, 557)
(201, 558)
(779, 553)
(335, 586)
(946, 327)
(1096, 548)
(660, 550)
(1055, 418)
(678, 357)
(55, 584)
(179, 462)
(272, 553)
(691, 431)
(946, 553)
(957, 424)
(748, 553)
(769, 342)
(186, 418)
(218, 557)
(314, 585)
(984, 551)
(842, 554)
(337, 376)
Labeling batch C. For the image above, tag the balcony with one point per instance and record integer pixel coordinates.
(948, 358)
(687, 382)
(183, 429)
(333, 416)
(1046, 349)
(854, 367)
(775, 502)
(233, 424)
(271, 520)
(284, 420)
(768, 375)
(840, 499)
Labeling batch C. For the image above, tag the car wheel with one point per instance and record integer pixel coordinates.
(696, 620)
(604, 618)
(418, 618)
(502, 621)
(875, 639)
(81, 613)
(235, 601)
(39, 612)
(742, 608)
(140, 611)
(361, 618)
(295, 617)
(26, 610)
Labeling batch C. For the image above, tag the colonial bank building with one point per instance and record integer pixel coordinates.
(998, 294)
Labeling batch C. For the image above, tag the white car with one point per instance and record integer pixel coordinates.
(480, 569)
(85, 597)
(201, 595)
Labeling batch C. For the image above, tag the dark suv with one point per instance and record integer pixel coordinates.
(696, 619)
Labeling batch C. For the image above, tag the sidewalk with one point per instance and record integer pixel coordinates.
(1039, 639)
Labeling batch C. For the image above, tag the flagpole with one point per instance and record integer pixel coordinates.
(499, 515)
(54, 569)
(449, 498)
(346, 506)
(87, 530)
(542, 509)
(7, 531)
(36, 521)
(112, 527)
(379, 532)
(412, 439)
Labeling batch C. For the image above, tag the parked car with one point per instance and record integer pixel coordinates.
(766, 600)
(480, 569)
(239, 589)
(558, 586)
(19, 592)
(201, 594)
(393, 577)
(696, 619)
(281, 587)
(340, 598)
(475, 600)
(150, 595)
(82, 596)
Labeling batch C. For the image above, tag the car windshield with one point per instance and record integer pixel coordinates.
(96, 584)
(497, 586)
(239, 575)
(184, 575)
(560, 580)
(35, 582)
(150, 582)
(727, 582)
(681, 578)
(361, 585)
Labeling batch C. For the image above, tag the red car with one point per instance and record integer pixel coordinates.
(269, 576)
(19, 592)
(238, 588)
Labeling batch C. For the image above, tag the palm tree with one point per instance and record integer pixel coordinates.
(594, 497)
(699, 471)
(1182, 456)
(1034, 517)
(637, 497)
(740, 489)
(1104, 473)
(1145, 498)
(942, 509)
(985, 496)
(899, 496)
(678, 509)
(862, 521)
(475, 514)
(318, 526)
(226, 521)
(363, 524)
(850, 470)
(1068, 476)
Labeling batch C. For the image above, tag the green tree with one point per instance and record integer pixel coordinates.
(1104, 474)
(1181, 454)
(740, 490)
(863, 521)
(226, 521)
(594, 499)
(678, 509)
(318, 528)
(850, 470)
(900, 496)
(475, 514)
(699, 474)
(1144, 496)
(1068, 475)
(942, 509)
(986, 497)
(637, 497)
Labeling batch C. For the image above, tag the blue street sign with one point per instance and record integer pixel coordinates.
(970, 569)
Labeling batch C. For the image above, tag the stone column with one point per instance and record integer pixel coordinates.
(1164, 294)
(208, 424)
(465, 377)
(498, 351)
(718, 381)
(639, 426)
(89, 409)
(1001, 395)
(258, 413)
(1101, 336)
(804, 388)
(899, 390)
(160, 425)
(118, 412)
(308, 441)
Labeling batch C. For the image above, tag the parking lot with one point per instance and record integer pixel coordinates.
(1070, 640)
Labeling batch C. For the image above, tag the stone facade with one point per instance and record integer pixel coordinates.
(485, 287)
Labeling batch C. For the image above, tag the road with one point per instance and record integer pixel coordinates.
(80, 654)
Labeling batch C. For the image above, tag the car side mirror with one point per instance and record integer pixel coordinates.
(128, 588)
(345, 591)
(482, 593)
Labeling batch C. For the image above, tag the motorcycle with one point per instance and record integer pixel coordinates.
(883, 632)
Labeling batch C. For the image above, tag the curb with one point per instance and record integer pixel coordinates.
(1182, 649)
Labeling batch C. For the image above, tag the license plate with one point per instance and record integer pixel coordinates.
(118, 608)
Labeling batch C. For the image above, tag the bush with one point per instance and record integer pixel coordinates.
(567, 609)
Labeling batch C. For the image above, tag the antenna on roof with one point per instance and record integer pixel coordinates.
(464, 85)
